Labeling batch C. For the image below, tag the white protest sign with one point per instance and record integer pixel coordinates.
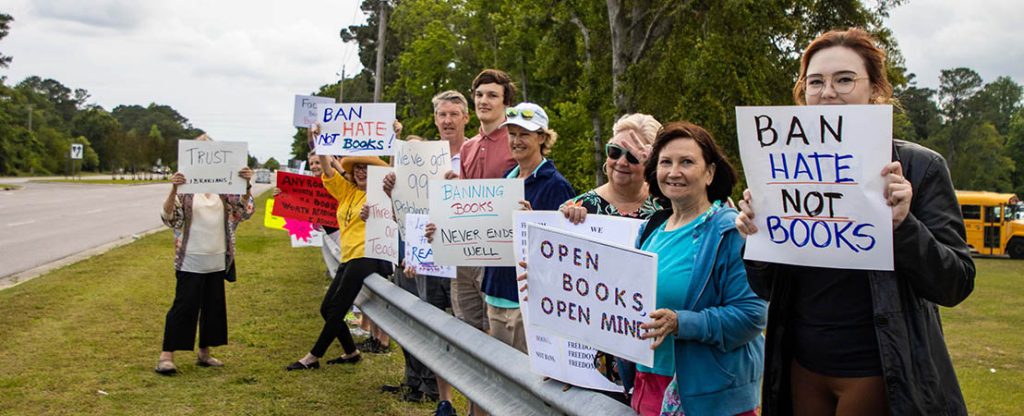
(551, 355)
(591, 291)
(381, 228)
(355, 129)
(314, 239)
(416, 163)
(418, 252)
(211, 166)
(305, 109)
(76, 151)
(474, 221)
(815, 176)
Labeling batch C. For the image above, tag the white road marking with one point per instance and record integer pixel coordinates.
(15, 224)
(98, 210)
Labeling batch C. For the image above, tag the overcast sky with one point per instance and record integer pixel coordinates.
(232, 67)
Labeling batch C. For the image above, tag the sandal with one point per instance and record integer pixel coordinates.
(209, 362)
(298, 365)
(166, 368)
(343, 360)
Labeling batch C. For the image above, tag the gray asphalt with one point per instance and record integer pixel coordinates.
(45, 222)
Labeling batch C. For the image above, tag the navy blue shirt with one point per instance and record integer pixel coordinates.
(546, 190)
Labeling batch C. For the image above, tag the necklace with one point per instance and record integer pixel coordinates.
(348, 210)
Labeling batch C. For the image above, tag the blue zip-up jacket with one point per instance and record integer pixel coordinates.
(719, 347)
(546, 189)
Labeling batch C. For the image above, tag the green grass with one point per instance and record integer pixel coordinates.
(97, 326)
(105, 181)
(9, 187)
(984, 334)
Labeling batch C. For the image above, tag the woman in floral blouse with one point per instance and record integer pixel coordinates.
(204, 257)
(625, 194)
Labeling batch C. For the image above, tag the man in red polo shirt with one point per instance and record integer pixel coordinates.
(487, 155)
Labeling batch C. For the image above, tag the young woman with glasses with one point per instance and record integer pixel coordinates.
(853, 342)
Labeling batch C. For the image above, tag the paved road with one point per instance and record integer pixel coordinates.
(45, 222)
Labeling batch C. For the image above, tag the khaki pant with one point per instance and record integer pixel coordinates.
(507, 326)
(468, 297)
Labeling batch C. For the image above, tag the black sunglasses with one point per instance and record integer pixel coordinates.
(614, 152)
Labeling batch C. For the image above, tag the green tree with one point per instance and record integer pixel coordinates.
(1015, 150)
(986, 167)
(919, 106)
(5, 26)
(997, 102)
(99, 127)
(251, 161)
(956, 88)
(272, 164)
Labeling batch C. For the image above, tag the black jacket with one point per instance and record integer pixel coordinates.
(933, 267)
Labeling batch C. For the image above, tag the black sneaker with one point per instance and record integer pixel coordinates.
(368, 345)
(411, 395)
(373, 346)
(387, 388)
(444, 408)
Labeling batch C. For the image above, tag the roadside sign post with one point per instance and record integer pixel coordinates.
(76, 154)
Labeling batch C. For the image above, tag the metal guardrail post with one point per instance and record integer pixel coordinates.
(490, 373)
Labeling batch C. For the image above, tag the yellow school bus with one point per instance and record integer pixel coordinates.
(994, 222)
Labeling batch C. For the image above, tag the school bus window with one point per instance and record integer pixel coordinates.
(971, 212)
(992, 214)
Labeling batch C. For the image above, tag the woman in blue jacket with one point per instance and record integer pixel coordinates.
(708, 324)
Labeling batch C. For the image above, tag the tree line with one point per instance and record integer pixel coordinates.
(590, 62)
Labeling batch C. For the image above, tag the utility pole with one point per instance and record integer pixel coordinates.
(382, 28)
(341, 86)
(30, 118)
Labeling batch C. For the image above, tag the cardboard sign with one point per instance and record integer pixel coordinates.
(591, 291)
(381, 228)
(551, 355)
(304, 198)
(416, 164)
(305, 109)
(212, 166)
(815, 176)
(418, 252)
(474, 221)
(270, 220)
(356, 129)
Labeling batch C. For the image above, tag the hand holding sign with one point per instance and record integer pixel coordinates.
(814, 181)
(664, 322)
(213, 167)
(898, 192)
(355, 129)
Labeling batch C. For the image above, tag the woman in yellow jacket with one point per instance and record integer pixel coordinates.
(346, 181)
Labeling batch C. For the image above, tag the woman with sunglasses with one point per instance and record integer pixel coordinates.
(853, 342)
(625, 194)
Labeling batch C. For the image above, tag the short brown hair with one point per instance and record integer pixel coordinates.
(859, 41)
(725, 175)
(497, 76)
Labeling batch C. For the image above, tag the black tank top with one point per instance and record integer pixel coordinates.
(832, 324)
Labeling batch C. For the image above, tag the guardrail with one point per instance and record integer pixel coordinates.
(488, 372)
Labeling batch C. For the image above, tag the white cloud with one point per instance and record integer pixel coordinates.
(942, 34)
(231, 67)
(100, 14)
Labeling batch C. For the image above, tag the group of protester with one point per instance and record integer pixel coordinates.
(730, 336)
